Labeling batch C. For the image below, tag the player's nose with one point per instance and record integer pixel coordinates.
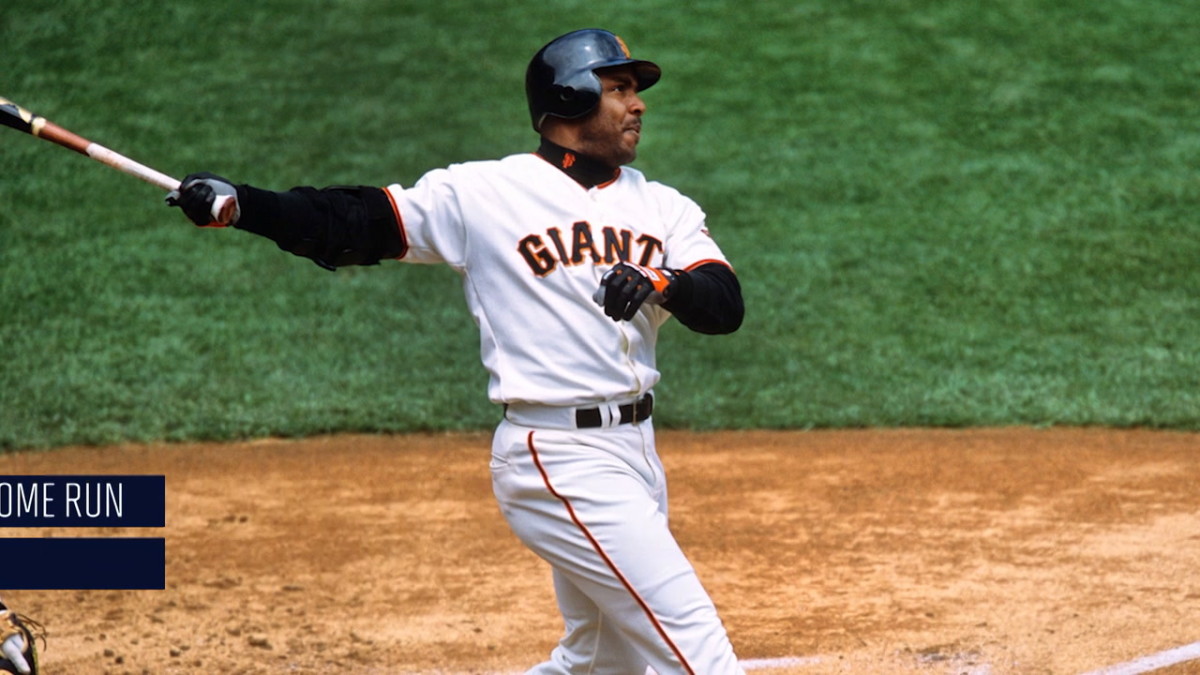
(636, 105)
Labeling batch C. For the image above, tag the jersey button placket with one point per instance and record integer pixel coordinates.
(599, 215)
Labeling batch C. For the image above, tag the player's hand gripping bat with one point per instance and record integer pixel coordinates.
(12, 115)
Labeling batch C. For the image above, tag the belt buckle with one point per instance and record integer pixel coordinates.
(641, 409)
(629, 413)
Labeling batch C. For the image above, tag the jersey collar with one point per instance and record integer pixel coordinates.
(587, 171)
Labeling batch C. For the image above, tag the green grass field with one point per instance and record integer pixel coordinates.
(942, 213)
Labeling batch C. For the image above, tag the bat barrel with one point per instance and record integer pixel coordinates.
(13, 115)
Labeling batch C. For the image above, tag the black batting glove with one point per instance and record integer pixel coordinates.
(199, 192)
(626, 287)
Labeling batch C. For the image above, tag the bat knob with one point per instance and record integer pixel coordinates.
(225, 210)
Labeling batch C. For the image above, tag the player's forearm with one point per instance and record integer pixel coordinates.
(333, 226)
(708, 299)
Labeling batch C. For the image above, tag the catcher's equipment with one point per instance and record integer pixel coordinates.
(196, 195)
(561, 79)
(625, 287)
(18, 652)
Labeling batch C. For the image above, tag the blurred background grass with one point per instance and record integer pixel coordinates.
(942, 213)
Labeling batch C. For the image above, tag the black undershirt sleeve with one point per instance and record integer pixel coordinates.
(707, 299)
(334, 226)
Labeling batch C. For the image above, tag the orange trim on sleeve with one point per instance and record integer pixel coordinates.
(693, 266)
(399, 223)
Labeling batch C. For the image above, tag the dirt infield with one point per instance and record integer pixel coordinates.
(949, 551)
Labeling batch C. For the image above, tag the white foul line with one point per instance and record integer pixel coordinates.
(756, 664)
(1153, 662)
(752, 664)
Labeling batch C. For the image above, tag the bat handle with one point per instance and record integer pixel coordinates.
(223, 207)
(122, 163)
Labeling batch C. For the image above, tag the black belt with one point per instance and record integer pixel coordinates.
(590, 418)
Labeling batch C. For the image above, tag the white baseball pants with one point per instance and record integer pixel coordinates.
(593, 503)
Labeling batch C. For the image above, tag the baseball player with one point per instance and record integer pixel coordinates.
(18, 638)
(570, 261)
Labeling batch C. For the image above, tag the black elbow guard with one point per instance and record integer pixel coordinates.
(334, 226)
(358, 228)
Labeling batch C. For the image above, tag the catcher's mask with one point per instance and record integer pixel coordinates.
(561, 79)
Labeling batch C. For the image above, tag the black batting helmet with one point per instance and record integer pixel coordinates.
(561, 79)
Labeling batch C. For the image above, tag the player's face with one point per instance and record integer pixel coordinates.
(612, 131)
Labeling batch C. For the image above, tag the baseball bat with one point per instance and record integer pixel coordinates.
(13, 115)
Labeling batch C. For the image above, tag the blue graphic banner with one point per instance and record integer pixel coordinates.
(82, 501)
(71, 563)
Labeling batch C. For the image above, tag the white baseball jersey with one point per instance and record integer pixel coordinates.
(531, 245)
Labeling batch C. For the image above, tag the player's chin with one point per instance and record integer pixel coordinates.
(628, 150)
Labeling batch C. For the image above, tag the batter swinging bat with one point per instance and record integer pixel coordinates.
(13, 115)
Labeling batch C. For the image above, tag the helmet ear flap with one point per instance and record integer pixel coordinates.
(578, 97)
(564, 94)
(569, 100)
